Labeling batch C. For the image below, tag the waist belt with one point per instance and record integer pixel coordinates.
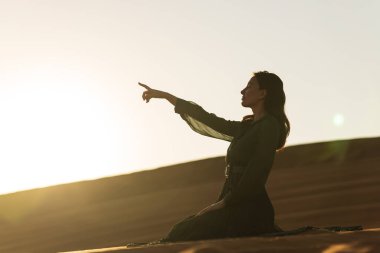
(233, 169)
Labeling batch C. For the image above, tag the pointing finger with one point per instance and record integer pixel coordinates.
(144, 85)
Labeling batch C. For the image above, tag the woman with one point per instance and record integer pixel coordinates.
(243, 207)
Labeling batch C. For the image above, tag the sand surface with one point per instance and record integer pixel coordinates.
(319, 184)
(358, 241)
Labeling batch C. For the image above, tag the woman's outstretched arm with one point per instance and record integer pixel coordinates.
(206, 123)
(196, 117)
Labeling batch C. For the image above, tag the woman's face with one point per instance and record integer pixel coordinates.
(252, 93)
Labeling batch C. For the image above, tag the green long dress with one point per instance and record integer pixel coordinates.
(248, 210)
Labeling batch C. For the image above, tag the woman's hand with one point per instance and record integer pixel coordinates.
(215, 206)
(151, 93)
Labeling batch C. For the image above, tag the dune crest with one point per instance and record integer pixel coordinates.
(319, 184)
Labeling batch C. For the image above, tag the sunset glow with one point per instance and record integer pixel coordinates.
(71, 109)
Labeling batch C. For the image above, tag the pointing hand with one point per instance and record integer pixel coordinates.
(152, 93)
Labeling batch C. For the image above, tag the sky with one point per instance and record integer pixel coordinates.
(71, 109)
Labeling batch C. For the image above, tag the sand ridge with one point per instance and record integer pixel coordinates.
(320, 184)
(364, 241)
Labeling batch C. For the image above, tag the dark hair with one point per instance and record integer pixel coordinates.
(274, 102)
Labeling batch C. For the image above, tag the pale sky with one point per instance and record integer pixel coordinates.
(71, 108)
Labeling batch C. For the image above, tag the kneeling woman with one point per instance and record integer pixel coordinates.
(243, 207)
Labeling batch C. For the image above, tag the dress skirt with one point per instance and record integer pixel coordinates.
(230, 221)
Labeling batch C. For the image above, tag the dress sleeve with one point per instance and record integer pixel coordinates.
(255, 175)
(206, 123)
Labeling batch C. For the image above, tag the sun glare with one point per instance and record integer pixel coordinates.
(52, 131)
(338, 120)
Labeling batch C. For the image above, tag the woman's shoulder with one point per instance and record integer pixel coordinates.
(268, 124)
(270, 121)
(270, 118)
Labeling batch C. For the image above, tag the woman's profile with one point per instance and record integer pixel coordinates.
(243, 207)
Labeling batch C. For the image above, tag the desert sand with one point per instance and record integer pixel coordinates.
(334, 183)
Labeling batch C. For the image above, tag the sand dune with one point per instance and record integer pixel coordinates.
(344, 242)
(319, 184)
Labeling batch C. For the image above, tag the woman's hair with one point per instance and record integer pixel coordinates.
(274, 102)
